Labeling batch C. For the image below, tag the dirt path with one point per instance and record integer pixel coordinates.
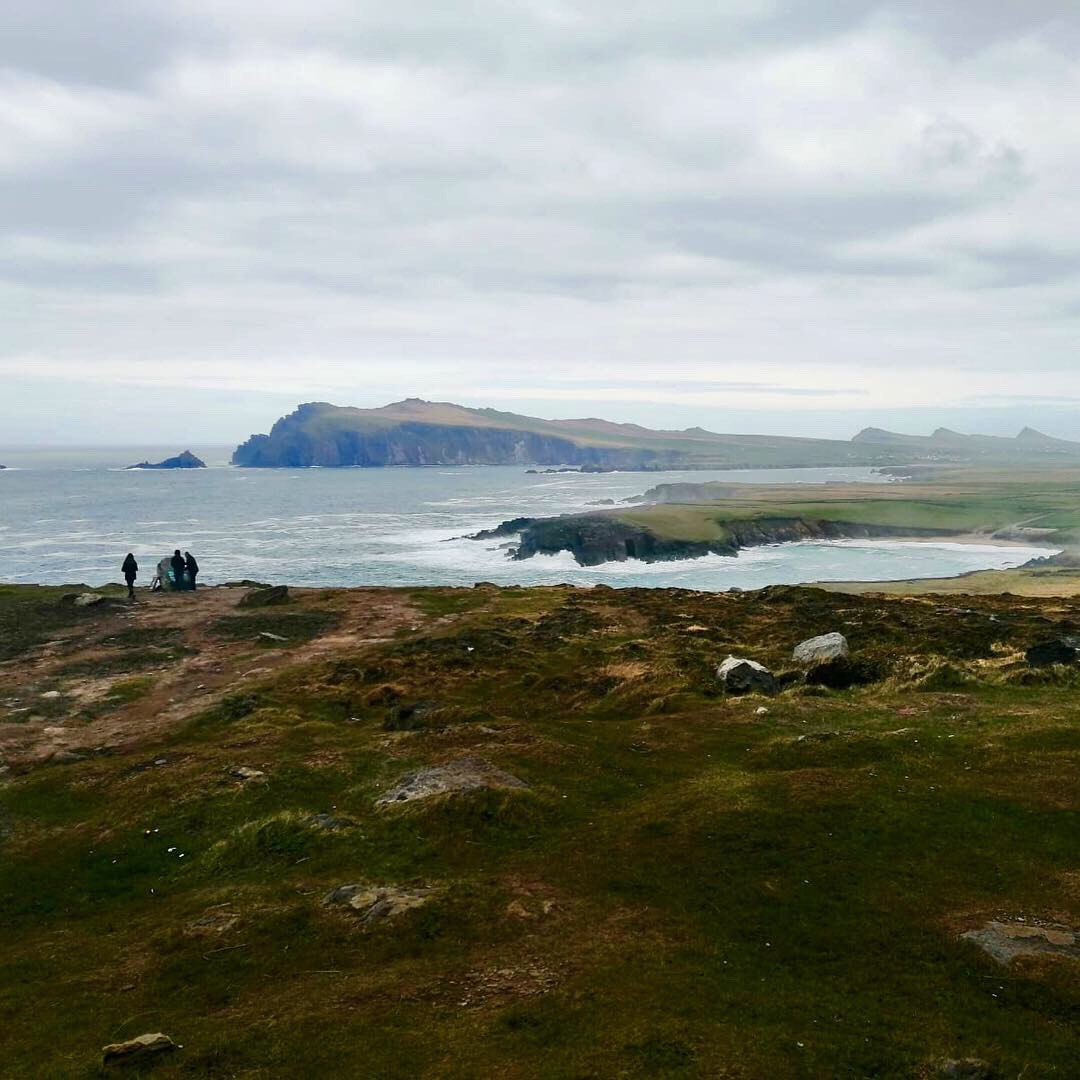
(51, 713)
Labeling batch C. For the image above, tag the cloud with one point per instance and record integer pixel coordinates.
(852, 200)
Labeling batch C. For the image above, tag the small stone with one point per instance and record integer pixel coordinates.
(89, 599)
(817, 650)
(761, 711)
(327, 821)
(137, 1049)
(245, 772)
(51, 695)
(267, 636)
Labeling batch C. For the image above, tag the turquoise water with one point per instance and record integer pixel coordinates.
(70, 516)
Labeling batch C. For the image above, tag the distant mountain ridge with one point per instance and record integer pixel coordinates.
(418, 432)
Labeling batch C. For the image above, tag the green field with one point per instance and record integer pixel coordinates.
(958, 501)
(687, 887)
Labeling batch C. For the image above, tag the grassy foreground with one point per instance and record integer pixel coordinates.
(688, 887)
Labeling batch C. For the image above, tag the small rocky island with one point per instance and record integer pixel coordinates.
(186, 460)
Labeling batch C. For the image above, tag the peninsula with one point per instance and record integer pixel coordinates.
(417, 432)
(687, 521)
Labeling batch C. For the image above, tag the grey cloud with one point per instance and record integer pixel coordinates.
(417, 183)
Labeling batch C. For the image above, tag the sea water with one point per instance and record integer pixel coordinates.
(69, 516)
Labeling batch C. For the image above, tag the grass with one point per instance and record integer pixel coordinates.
(297, 627)
(687, 889)
(958, 501)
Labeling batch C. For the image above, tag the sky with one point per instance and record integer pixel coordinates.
(752, 215)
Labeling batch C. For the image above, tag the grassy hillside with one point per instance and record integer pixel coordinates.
(687, 887)
(1043, 505)
(417, 432)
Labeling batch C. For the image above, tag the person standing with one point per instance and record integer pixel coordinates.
(131, 572)
(192, 568)
(177, 565)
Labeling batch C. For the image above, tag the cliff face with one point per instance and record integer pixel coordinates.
(295, 443)
(598, 538)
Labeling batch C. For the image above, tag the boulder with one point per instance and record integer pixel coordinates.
(820, 649)
(843, 672)
(137, 1050)
(742, 676)
(89, 599)
(373, 903)
(409, 717)
(1006, 941)
(272, 594)
(1046, 653)
(465, 774)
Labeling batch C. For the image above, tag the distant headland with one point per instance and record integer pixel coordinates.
(418, 432)
(185, 460)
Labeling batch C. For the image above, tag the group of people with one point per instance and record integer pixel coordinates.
(184, 570)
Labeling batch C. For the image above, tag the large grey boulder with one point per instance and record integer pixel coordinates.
(742, 676)
(821, 649)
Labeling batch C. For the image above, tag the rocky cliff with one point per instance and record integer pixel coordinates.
(599, 538)
(185, 460)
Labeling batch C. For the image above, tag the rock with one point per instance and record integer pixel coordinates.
(1046, 653)
(959, 1069)
(465, 774)
(88, 599)
(411, 717)
(741, 676)
(375, 902)
(818, 650)
(244, 772)
(1006, 941)
(761, 711)
(272, 594)
(184, 460)
(843, 672)
(267, 636)
(51, 695)
(327, 821)
(137, 1049)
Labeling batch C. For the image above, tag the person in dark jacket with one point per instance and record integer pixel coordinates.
(192, 568)
(131, 572)
(177, 564)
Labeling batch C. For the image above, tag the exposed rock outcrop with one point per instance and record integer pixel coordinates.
(185, 460)
(465, 774)
(1007, 941)
(601, 537)
(372, 903)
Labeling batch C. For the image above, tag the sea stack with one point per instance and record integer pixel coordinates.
(186, 460)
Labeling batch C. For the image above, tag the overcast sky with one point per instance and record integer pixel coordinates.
(748, 214)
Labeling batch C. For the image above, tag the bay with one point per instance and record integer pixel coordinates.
(70, 515)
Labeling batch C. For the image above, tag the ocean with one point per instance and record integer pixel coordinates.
(69, 516)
